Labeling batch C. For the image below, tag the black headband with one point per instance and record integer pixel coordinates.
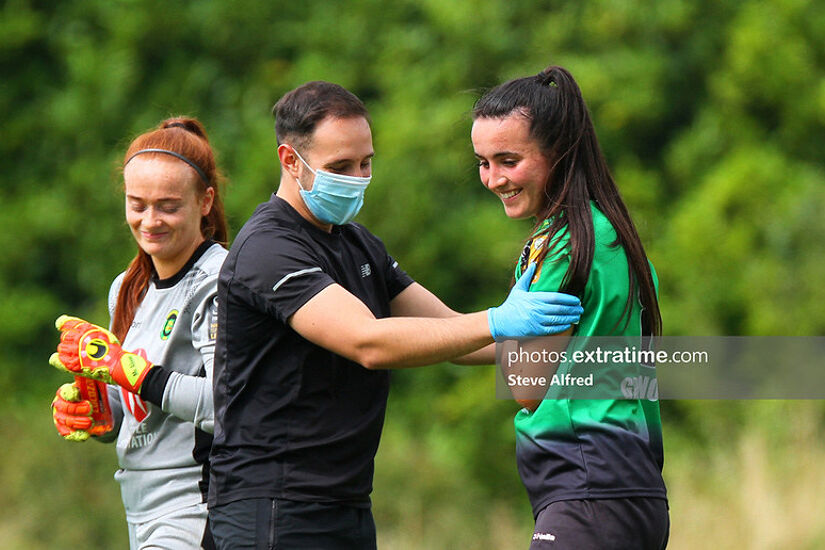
(174, 154)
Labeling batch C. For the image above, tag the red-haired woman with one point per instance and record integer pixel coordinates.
(164, 313)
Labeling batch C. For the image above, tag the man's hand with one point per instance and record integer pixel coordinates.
(526, 314)
(72, 416)
(94, 352)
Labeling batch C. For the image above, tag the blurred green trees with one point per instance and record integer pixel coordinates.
(711, 114)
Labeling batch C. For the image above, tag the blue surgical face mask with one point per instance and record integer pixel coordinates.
(334, 198)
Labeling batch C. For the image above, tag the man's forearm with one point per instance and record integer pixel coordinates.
(403, 342)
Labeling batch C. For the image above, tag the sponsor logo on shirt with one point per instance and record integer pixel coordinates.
(544, 536)
(366, 270)
(169, 324)
(141, 437)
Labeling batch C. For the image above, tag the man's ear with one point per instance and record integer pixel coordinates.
(289, 160)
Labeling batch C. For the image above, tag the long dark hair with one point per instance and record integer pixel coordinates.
(561, 125)
(187, 137)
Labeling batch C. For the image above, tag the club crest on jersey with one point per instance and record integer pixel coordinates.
(530, 254)
(169, 324)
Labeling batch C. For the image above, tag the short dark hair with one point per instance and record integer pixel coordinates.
(300, 110)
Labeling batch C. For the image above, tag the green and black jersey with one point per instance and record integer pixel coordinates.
(591, 448)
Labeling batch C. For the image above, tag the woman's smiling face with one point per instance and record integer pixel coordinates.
(511, 163)
(164, 211)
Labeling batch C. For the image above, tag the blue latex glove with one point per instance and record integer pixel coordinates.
(526, 314)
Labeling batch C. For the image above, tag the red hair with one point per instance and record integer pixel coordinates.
(187, 137)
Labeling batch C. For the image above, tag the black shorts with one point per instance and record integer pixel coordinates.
(275, 524)
(603, 524)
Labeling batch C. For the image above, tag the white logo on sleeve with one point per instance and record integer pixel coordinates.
(544, 536)
(366, 270)
(289, 276)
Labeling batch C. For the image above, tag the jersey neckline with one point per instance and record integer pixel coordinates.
(176, 278)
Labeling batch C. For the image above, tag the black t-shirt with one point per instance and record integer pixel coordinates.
(293, 420)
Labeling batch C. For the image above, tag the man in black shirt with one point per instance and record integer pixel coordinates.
(313, 312)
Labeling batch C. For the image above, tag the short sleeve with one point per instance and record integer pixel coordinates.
(279, 273)
(397, 279)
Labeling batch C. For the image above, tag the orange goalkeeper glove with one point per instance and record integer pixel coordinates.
(72, 415)
(93, 352)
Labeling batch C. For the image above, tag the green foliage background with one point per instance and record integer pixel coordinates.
(711, 114)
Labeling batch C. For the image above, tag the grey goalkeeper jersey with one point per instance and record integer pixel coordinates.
(163, 446)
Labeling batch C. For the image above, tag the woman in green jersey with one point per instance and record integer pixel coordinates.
(591, 467)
